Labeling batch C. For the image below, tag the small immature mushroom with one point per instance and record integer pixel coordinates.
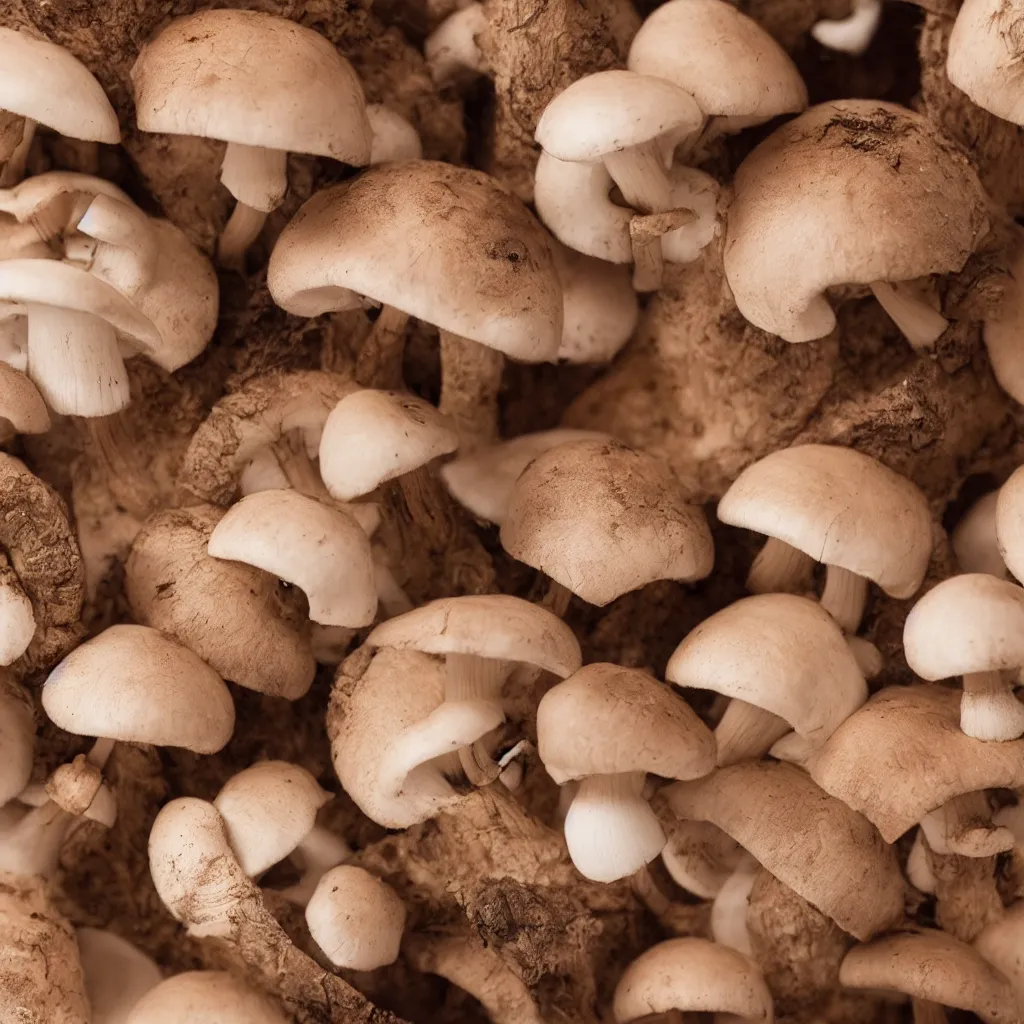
(824, 503)
(42, 83)
(1001, 943)
(318, 548)
(700, 857)
(22, 409)
(980, 57)
(602, 519)
(489, 284)
(356, 919)
(264, 85)
(204, 997)
(609, 726)
(693, 975)
(845, 194)
(117, 975)
(783, 661)
(974, 538)
(973, 626)
(784, 820)
(451, 49)
(852, 34)
(393, 138)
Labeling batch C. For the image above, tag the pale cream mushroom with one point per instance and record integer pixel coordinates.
(700, 857)
(205, 997)
(117, 974)
(356, 919)
(22, 409)
(602, 519)
(973, 626)
(42, 83)
(17, 737)
(784, 662)
(393, 138)
(1001, 943)
(974, 539)
(1002, 333)
(1010, 523)
(608, 727)
(823, 503)
(452, 48)
(854, 33)
(693, 975)
(264, 85)
(845, 194)
(981, 54)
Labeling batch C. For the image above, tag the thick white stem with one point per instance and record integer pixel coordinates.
(729, 909)
(320, 851)
(919, 868)
(126, 249)
(989, 710)
(746, 732)
(255, 176)
(853, 34)
(921, 323)
(473, 678)
(14, 169)
(241, 230)
(779, 568)
(32, 847)
(844, 597)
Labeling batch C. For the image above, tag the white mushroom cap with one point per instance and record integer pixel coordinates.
(320, 549)
(356, 919)
(17, 738)
(205, 997)
(21, 404)
(974, 539)
(692, 974)
(117, 975)
(482, 480)
(393, 137)
(495, 626)
(372, 436)
(268, 809)
(254, 79)
(701, 45)
(133, 683)
(700, 857)
(45, 83)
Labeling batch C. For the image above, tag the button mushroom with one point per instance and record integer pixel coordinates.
(204, 997)
(1002, 334)
(979, 60)
(974, 540)
(117, 975)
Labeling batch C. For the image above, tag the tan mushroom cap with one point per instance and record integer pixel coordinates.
(21, 405)
(778, 814)
(456, 250)
(903, 754)
(700, 44)
(255, 79)
(488, 625)
(205, 997)
(117, 975)
(782, 653)
(46, 83)
(845, 194)
(373, 436)
(1010, 523)
(132, 683)
(692, 974)
(610, 111)
(607, 720)
(935, 966)
(840, 507)
(603, 519)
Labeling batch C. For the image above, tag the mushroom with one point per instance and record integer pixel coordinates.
(1001, 943)
(729, 908)
(973, 626)
(609, 726)
(692, 974)
(269, 811)
(42, 83)
(356, 919)
(778, 814)
(117, 975)
(488, 284)
(1009, 526)
(700, 857)
(238, 619)
(852, 34)
(602, 519)
(204, 997)
(17, 737)
(783, 661)
(980, 56)
(1002, 332)
(22, 409)
(932, 967)
(318, 548)
(451, 49)
(265, 86)
(974, 539)
(845, 171)
(393, 138)
(837, 506)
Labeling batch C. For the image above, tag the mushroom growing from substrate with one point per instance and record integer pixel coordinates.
(117, 975)
(264, 85)
(824, 503)
(846, 194)
(204, 997)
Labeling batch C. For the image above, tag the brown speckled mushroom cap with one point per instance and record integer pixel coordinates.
(846, 193)
(839, 507)
(204, 997)
(603, 519)
(455, 249)
(778, 814)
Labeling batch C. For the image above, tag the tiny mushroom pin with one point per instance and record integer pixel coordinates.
(117, 974)
(204, 997)
(975, 541)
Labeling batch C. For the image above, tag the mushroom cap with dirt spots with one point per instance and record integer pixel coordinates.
(782, 653)
(372, 436)
(253, 79)
(693, 974)
(205, 997)
(1010, 522)
(936, 967)
(839, 507)
(134, 684)
(46, 83)
(454, 249)
(846, 194)
(603, 519)
(903, 754)
(21, 404)
(700, 45)
(117, 975)
(495, 626)
(780, 816)
(237, 618)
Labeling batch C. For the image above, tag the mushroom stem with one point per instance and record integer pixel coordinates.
(779, 568)
(123, 250)
(556, 598)
(746, 732)
(242, 229)
(470, 383)
(844, 597)
(964, 826)
(989, 710)
(14, 170)
(320, 851)
(470, 677)
(255, 175)
(921, 323)
(852, 34)
(17, 620)
(379, 363)
(293, 458)
(729, 908)
(867, 655)
(919, 867)
(926, 1012)
(74, 360)
(116, 448)
(648, 893)
(32, 847)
